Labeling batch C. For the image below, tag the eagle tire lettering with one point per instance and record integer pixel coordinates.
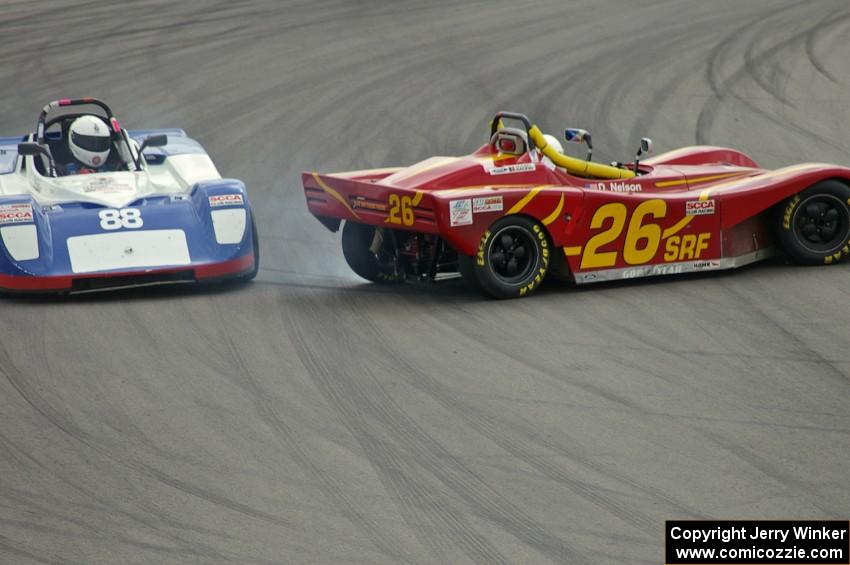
(789, 212)
(541, 271)
(481, 244)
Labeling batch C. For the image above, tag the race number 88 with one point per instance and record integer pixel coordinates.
(111, 219)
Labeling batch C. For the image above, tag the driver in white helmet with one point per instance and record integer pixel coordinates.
(90, 143)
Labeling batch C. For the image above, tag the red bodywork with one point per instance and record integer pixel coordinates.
(692, 209)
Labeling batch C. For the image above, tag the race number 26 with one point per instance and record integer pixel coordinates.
(400, 210)
(643, 236)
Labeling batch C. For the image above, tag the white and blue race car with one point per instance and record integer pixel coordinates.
(160, 213)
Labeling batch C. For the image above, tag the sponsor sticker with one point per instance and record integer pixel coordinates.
(15, 213)
(460, 212)
(106, 185)
(706, 265)
(487, 204)
(362, 203)
(699, 207)
(614, 186)
(652, 270)
(226, 200)
(507, 169)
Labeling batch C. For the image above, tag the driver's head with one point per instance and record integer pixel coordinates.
(554, 143)
(89, 140)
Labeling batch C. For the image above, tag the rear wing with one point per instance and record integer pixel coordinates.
(365, 200)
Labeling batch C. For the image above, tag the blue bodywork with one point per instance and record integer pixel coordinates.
(189, 212)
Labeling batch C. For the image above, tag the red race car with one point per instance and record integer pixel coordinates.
(519, 209)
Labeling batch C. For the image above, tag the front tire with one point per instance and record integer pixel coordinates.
(358, 243)
(814, 227)
(512, 259)
(255, 240)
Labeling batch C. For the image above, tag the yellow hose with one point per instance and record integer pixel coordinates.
(574, 166)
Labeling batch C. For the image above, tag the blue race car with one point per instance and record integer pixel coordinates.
(83, 209)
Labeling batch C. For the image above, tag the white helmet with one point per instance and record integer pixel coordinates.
(554, 143)
(89, 140)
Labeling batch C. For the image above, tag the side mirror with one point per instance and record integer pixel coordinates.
(33, 149)
(645, 149)
(575, 135)
(158, 140)
(30, 149)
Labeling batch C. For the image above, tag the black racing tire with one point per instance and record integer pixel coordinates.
(356, 242)
(814, 225)
(466, 266)
(250, 275)
(513, 257)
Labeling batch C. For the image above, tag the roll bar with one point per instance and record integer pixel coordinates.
(117, 133)
(62, 102)
(574, 166)
(497, 121)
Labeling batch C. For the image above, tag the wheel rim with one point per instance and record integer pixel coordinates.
(512, 254)
(822, 223)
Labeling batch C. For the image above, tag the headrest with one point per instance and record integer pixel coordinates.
(511, 141)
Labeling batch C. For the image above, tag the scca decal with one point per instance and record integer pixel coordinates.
(16, 213)
(226, 200)
(699, 207)
(643, 236)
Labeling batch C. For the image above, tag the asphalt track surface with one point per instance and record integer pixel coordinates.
(311, 418)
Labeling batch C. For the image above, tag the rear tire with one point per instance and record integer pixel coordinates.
(814, 225)
(378, 267)
(513, 258)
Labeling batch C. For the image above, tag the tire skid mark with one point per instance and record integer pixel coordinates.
(456, 474)
(6, 545)
(488, 425)
(28, 393)
(772, 472)
(354, 406)
(530, 438)
(37, 67)
(809, 353)
(724, 88)
(465, 482)
(766, 72)
(330, 487)
(811, 43)
(26, 500)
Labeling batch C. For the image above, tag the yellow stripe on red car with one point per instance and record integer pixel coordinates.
(323, 185)
(554, 215)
